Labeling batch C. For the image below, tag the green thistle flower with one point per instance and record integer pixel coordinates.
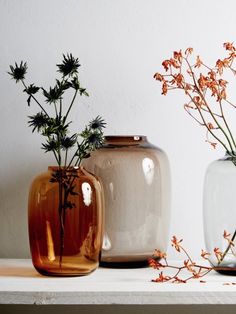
(51, 145)
(56, 126)
(69, 65)
(31, 89)
(38, 121)
(68, 142)
(53, 95)
(97, 123)
(95, 140)
(18, 71)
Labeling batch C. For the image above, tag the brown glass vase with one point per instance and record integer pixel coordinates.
(65, 222)
(136, 179)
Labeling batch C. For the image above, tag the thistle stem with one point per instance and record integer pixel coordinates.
(54, 153)
(60, 209)
(36, 100)
(60, 110)
(73, 99)
(55, 107)
(66, 157)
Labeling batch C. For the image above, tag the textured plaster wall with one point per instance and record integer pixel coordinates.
(120, 45)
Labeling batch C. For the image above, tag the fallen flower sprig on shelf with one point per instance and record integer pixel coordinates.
(187, 269)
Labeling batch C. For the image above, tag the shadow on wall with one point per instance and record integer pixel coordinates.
(14, 214)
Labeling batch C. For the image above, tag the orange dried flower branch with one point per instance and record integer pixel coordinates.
(188, 269)
(206, 89)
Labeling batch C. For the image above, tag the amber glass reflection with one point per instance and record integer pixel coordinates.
(65, 243)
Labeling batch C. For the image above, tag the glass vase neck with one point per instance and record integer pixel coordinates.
(230, 154)
(55, 168)
(120, 140)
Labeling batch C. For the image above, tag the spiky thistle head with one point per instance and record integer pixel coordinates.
(18, 71)
(69, 65)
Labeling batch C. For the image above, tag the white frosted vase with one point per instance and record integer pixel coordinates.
(136, 180)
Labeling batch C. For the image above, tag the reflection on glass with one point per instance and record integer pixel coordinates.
(148, 170)
(106, 245)
(87, 193)
(111, 186)
(50, 245)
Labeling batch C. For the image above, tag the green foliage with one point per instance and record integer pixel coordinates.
(31, 90)
(53, 95)
(52, 144)
(68, 141)
(76, 85)
(55, 127)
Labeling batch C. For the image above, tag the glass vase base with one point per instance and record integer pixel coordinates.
(230, 271)
(135, 264)
(81, 268)
(62, 274)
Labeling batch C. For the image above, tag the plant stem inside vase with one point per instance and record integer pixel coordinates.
(65, 179)
(227, 270)
(230, 240)
(61, 216)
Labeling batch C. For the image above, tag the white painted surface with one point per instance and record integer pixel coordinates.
(20, 284)
(120, 45)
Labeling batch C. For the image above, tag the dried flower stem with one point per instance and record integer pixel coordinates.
(204, 85)
(209, 110)
(197, 271)
(179, 71)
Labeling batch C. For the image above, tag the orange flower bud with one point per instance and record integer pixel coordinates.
(178, 55)
(164, 88)
(188, 51)
(158, 77)
(198, 62)
(229, 46)
(166, 64)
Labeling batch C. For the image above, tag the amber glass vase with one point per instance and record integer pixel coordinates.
(65, 222)
(136, 179)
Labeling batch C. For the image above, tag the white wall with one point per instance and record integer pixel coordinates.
(120, 45)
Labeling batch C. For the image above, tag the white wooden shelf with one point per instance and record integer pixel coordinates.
(21, 284)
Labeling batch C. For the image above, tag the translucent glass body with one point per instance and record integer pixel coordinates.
(136, 180)
(71, 248)
(219, 211)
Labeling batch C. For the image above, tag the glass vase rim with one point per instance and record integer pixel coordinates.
(230, 154)
(53, 168)
(125, 139)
